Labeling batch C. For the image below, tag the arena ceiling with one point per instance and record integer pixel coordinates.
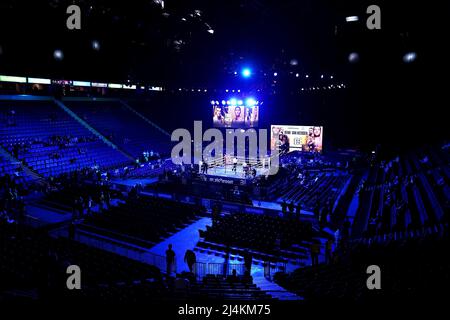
(203, 42)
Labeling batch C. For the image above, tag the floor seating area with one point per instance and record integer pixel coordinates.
(269, 237)
(147, 218)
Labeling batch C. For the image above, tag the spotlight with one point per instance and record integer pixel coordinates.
(307, 76)
(212, 102)
(211, 31)
(233, 102)
(58, 54)
(297, 75)
(250, 102)
(275, 74)
(246, 72)
(223, 102)
(353, 57)
(293, 62)
(321, 76)
(240, 102)
(95, 45)
(409, 57)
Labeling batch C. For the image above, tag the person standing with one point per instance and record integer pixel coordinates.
(248, 259)
(190, 259)
(170, 259)
(235, 161)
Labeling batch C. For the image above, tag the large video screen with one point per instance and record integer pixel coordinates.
(290, 138)
(236, 113)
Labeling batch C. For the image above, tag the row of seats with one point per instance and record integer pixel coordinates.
(147, 218)
(409, 192)
(32, 259)
(410, 269)
(272, 235)
(131, 133)
(49, 141)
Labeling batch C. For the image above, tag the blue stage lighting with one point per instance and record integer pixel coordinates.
(240, 102)
(246, 72)
(233, 102)
(250, 102)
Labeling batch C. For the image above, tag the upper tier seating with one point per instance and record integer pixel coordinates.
(122, 126)
(408, 192)
(50, 141)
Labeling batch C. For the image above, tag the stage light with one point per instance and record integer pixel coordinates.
(240, 102)
(211, 31)
(239, 90)
(233, 102)
(246, 72)
(212, 102)
(58, 54)
(275, 74)
(223, 102)
(235, 72)
(307, 76)
(331, 77)
(95, 45)
(250, 102)
(353, 57)
(409, 57)
(321, 76)
(226, 90)
(297, 75)
(351, 18)
(228, 102)
(293, 62)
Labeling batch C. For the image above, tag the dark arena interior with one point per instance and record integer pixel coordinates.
(224, 158)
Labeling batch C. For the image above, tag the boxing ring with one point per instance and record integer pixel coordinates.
(236, 167)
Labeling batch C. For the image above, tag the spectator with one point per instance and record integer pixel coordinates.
(233, 278)
(170, 259)
(248, 259)
(190, 259)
